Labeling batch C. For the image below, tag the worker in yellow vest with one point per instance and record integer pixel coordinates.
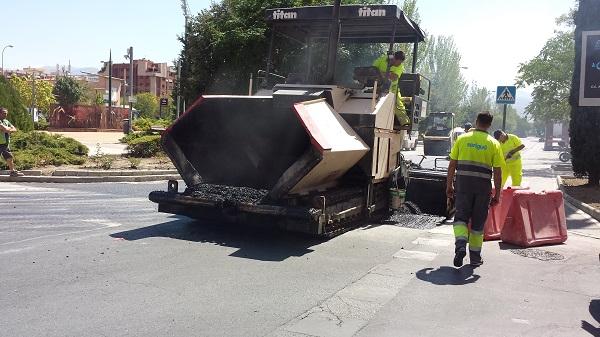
(511, 147)
(475, 158)
(396, 69)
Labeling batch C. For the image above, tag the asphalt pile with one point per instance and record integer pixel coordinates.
(410, 216)
(222, 193)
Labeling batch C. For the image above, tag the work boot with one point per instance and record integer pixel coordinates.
(459, 255)
(16, 173)
(475, 258)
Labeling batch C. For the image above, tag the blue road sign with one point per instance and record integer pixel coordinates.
(506, 94)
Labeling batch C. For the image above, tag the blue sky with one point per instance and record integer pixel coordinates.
(493, 36)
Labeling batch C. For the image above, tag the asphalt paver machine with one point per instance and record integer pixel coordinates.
(309, 154)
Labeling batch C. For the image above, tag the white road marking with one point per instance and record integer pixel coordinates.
(104, 222)
(415, 255)
(520, 321)
(51, 236)
(432, 242)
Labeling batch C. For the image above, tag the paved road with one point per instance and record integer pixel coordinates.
(98, 260)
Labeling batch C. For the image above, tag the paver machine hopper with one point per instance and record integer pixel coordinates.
(310, 154)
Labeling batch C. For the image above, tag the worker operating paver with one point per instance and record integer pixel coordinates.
(475, 158)
(396, 70)
(511, 147)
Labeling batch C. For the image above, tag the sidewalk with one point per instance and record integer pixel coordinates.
(109, 141)
(544, 291)
(549, 291)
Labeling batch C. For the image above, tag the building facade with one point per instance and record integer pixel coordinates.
(148, 76)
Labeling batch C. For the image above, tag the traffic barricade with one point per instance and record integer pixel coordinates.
(535, 219)
(498, 213)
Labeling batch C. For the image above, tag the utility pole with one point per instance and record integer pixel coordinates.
(130, 57)
(33, 96)
(178, 88)
(186, 15)
(109, 83)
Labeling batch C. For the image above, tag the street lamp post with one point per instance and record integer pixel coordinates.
(8, 46)
(129, 56)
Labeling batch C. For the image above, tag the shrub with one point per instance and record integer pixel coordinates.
(106, 162)
(144, 147)
(134, 135)
(134, 163)
(29, 140)
(23, 161)
(144, 124)
(35, 149)
(42, 124)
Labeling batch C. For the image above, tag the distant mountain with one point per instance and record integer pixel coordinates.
(74, 70)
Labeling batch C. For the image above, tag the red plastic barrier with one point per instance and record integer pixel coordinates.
(497, 214)
(535, 219)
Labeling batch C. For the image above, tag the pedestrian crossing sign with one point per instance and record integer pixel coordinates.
(506, 94)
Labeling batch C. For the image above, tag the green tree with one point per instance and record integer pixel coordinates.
(478, 100)
(550, 72)
(43, 92)
(147, 105)
(515, 123)
(68, 91)
(585, 120)
(17, 112)
(411, 9)
(443, 68)
(229, 41)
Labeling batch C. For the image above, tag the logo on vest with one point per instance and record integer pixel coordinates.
(367, 11)
(281, 15)
(477, 146)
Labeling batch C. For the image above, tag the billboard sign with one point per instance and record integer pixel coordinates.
(589, 85)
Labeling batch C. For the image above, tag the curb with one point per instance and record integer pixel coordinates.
(89, 179)
(582, 206)
(34, 173)
(121, 173)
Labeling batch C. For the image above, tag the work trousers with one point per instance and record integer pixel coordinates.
(514, 170)
(400, 111)
(471, 207)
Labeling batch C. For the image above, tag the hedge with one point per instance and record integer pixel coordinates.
(144, 124)
(145, 146)
(37, 149)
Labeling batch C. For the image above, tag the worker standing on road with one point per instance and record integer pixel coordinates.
(511, 146)
(396, 69)
(468, 126)
(475, 158)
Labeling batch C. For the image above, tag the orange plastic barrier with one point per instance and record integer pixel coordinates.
(497, 214)
(535, 219)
